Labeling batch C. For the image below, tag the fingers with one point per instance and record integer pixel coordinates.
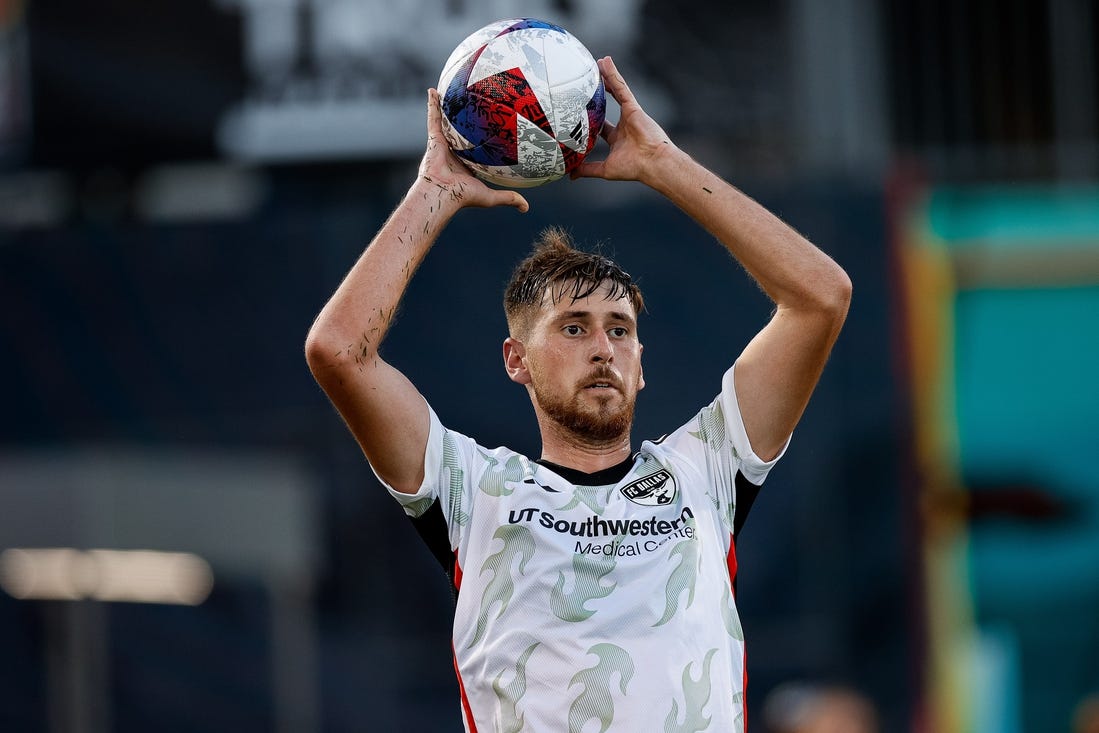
(594, 168)
(434, 113)
(609, 132)
(588, 169)
(614, 81)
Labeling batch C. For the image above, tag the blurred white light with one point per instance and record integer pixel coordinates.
(198, 191)
(136, 576)
(41, 573)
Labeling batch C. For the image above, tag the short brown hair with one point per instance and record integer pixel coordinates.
(557, 268)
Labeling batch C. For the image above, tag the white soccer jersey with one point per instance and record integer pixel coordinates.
(594, 609)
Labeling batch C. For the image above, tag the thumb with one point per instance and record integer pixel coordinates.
(434, 114)
(512, 198)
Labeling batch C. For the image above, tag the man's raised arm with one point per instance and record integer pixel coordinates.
(778, 370)
(380, 406)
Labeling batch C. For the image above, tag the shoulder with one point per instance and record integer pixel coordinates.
(456, 449)
(717, 433)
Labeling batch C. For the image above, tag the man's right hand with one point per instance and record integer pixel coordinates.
(442, 168)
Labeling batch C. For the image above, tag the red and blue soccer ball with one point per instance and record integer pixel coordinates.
(522, 102)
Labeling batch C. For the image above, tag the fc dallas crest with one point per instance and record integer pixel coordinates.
(656, 489)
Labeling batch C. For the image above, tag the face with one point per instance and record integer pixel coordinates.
(581, 360)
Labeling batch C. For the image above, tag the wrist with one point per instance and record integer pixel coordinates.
(665, 166)
(432, 195)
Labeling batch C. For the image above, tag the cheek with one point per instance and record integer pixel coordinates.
(640, 370)
(547, 363)
(555, 358)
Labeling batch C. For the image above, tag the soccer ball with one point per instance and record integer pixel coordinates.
(522, 102)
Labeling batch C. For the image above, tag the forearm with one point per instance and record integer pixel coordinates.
(792, 271)
(357, 317)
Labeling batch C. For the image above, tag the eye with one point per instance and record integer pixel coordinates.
(572, 329)
(619, 332)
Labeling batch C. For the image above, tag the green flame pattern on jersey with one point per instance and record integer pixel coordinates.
(518, 542)
(495, 479)
(738, 705)
(510, 720)
(648, 465)
(588, 572)
(711, 429)
(729, 616)
(696, 693)
(417, 507)
(596, 701)
(726, 512)
(594, 497)
(683, 578)
(457, 474)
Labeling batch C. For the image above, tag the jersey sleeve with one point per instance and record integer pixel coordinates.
(716, 443)
(754, 468)
(448, 467)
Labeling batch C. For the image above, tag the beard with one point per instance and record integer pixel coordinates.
(604, 422)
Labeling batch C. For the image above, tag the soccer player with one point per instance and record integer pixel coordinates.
(593, 583)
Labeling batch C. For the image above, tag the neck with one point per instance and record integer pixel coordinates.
(566, 448)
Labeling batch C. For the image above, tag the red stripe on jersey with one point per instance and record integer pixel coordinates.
(471, 726)
(730, 559)
(744, 689)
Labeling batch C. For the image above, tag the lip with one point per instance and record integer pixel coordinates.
(602, 383)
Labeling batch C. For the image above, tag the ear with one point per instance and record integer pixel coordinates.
(640, 369)
(515, 361)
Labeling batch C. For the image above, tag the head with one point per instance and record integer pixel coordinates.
(572, 324)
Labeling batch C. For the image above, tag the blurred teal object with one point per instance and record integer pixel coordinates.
(1015, 216)
(1026, 360)
(996, 687)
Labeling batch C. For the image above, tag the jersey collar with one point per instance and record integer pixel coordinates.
(603, 477)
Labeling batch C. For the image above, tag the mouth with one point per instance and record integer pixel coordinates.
(603, 383)
(602, 380)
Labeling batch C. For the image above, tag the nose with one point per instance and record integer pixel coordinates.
(602, 349)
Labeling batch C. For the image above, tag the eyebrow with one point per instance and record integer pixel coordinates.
(614, 315)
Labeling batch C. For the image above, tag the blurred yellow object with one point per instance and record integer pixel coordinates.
(136, 576)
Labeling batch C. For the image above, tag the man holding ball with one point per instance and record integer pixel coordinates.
(594, 582)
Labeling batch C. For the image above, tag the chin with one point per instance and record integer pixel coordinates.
(599, 426)
(608, 420)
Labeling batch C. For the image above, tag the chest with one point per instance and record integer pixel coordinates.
(643, 519)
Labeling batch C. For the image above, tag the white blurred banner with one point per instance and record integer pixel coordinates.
(346, 78)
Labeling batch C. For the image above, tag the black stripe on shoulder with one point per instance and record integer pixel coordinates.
(431, 526)
(746, 493)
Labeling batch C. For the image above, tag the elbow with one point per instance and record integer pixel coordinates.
(319, 352)
(831, 294)
(329, 350)
(833, 300)
(840, 300)
(324, 350)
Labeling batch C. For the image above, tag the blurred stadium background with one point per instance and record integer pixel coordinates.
(191, 541)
